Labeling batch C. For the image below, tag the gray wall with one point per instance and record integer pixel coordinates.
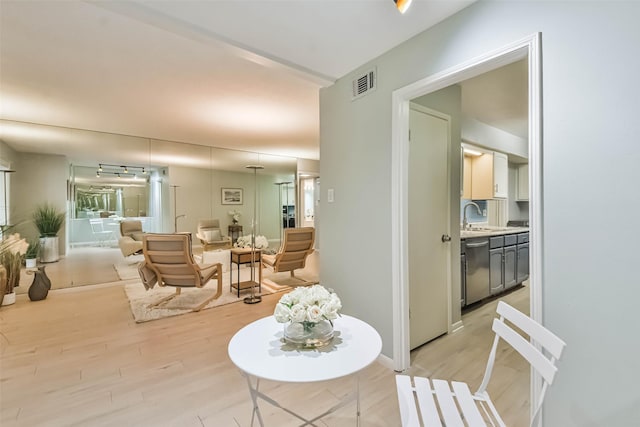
(590, 108)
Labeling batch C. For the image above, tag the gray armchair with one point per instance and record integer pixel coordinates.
(130, 242)
(211, 236)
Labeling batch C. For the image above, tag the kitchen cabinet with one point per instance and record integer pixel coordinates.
(509, 266)
(489, 176)
(522, 257)
(522, 183)
(496, 273)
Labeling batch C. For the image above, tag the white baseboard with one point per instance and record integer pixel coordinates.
(456, 326)
(385, 361)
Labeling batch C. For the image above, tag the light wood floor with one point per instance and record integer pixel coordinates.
(78, 359)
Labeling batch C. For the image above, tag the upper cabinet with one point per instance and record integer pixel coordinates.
(522, 183)
(489, 176)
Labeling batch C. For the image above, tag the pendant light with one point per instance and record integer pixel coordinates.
(402, 5)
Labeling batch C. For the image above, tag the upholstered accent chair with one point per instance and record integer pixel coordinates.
(168, 261)
(130, 242)
(293, 253)
(211, 236)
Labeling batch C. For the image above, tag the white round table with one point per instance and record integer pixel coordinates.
(259, 352)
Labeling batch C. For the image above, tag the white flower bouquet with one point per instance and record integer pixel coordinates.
(308, 305)
(245, 242)
(235, 215)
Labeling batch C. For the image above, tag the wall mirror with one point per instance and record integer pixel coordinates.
(181, 183)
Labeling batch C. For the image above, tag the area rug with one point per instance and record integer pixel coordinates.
(140, 299)
(128, 267)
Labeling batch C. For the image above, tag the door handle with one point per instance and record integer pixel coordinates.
(445, 238)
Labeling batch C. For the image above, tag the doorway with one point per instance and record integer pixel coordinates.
(526, 48)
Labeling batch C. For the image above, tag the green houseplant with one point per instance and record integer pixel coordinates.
(32, 253)
(48, 220)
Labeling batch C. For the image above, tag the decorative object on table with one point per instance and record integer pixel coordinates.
(253, 298)
(235, 215)
(40, 286)
(232, 196)
(261, 242)
(12, 250)
(308, 313)
(48, 220)
(31, 256)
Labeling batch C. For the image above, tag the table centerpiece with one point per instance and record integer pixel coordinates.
(308, 313)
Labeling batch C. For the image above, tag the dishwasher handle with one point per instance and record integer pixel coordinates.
(477, 245)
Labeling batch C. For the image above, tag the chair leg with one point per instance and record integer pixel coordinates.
(165, 299)
(219, 291)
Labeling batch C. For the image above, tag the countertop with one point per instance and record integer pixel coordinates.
(489, 231)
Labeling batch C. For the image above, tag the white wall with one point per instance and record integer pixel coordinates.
(589, 150)
(39, 178)
(199, 197)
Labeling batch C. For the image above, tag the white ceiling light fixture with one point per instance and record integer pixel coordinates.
(472, 152)
(402, 5)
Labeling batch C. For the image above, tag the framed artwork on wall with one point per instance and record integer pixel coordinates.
(232, 196)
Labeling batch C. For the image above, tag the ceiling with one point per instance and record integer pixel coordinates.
(234, 74)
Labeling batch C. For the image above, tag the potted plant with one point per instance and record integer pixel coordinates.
(48, 220)
(12, 250)
(31, 255)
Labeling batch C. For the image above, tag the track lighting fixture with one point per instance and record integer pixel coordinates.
(117, 170)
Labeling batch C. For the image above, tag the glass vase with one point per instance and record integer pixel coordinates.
(308, 334)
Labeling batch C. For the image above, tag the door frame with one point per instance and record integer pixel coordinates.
(527, 47)
(447, 230)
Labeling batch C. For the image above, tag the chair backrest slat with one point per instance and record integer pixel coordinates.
(534, 356)
(536, 331)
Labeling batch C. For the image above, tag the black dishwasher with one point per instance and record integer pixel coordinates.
(477, 277)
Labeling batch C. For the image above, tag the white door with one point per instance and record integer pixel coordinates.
(429, 257)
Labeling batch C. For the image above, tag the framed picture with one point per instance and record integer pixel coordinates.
(232, 196)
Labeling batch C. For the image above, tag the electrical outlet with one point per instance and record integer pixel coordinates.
(484, 212)
(330, 195)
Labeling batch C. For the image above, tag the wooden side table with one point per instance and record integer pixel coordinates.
(243, 256)
(234, 231)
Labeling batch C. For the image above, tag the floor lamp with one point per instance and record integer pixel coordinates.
(175, 209)
(253, 299)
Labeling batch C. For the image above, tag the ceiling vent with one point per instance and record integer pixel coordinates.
(363, 84)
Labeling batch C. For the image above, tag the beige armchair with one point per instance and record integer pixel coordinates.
(211, 236)
(130, 242)
(293, 253)
(168, 261)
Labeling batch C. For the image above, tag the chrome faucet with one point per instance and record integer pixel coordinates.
(465, 223)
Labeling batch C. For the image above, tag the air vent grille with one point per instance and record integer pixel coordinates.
(363, 84)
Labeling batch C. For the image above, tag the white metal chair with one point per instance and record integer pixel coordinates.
(97, 228)
(477, 409)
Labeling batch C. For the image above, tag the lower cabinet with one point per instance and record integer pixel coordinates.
(508, 265)
(496, 273)
(509, 270)
(523, 262)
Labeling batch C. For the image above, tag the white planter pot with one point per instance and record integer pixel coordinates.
(9, 299)
(49, 249)
(30, 262)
